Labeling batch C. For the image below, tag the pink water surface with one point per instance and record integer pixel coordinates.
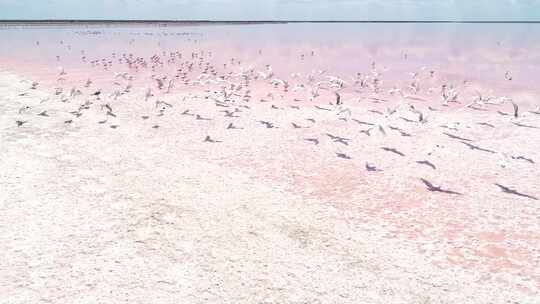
(479, 54)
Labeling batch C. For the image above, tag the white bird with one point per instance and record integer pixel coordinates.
(394, 91)
(336, 80)
(299, 87)
(277, 81)
(295, 75)
(269, 73)
(449, 95)
(323, 84)
(148, 94)
(121, 75)
(203, 76)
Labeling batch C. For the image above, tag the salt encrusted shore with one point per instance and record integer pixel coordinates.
(145, 214)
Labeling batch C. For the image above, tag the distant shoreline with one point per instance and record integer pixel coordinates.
(238, 22)
(21, 24)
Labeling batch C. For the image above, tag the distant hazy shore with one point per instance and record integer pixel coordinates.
(180, 23)
(146, 23)
(196, 22)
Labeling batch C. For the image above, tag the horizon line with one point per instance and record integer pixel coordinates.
(171, 21)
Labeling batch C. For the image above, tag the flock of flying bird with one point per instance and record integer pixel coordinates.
(235, 89)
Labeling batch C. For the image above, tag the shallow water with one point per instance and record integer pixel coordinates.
(477, 54)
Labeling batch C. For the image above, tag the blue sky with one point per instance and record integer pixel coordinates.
(273, 9)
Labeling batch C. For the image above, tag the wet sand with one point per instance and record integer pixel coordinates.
(153, 203)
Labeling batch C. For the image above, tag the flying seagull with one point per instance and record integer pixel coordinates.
(421, 117)
(338, 99)
(76, 113)
(516, 109)
(367, 132)
(229, 113)
(381, 129)
(23, 109)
